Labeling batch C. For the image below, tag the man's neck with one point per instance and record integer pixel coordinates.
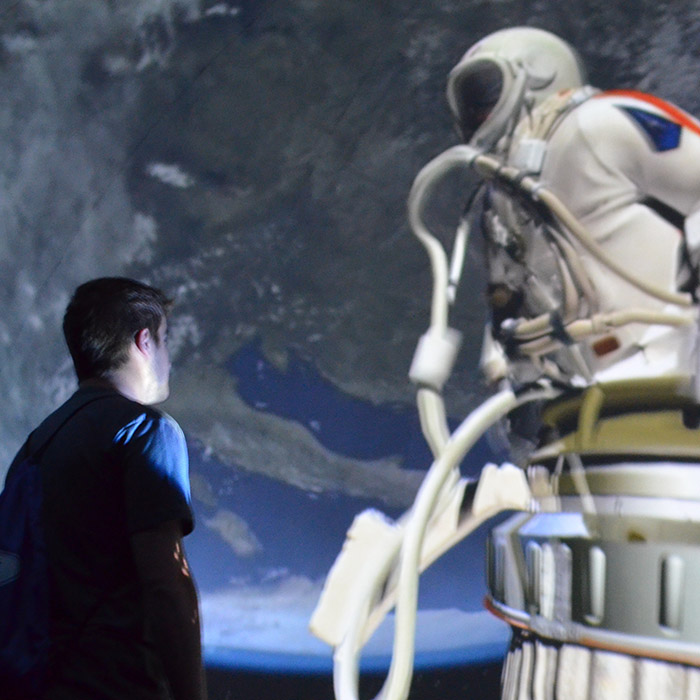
(115, 382)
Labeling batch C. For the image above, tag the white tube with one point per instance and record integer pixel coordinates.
(459, 251)
(541, 343)
(426, 178)
(398, 681)
(433, 421)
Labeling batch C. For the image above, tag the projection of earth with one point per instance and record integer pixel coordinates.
(253, 159)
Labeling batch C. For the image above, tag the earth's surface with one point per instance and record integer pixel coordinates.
(253, 159)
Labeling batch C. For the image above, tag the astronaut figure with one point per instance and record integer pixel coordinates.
(590, 211)
(602, 586)
(625, 164)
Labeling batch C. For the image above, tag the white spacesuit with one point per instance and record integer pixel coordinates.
(599, 586)
(590, 210)
(627, 167)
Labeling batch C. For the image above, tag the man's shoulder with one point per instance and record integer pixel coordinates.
(138, 423)
(111, 401)
(109, 412)
(97, 401)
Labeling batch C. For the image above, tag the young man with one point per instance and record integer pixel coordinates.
(116, 503)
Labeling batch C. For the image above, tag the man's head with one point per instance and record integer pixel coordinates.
(107, 319)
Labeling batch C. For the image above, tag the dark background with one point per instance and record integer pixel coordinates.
(480, 682)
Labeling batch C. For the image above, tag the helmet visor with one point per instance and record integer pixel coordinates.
(476, 91)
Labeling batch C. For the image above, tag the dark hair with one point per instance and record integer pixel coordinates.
(103, 318)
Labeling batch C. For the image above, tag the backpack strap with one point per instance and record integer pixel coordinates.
(39, 439)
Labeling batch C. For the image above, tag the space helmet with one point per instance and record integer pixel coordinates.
(504, 72)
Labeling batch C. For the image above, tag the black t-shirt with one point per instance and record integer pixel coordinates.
(114, 469)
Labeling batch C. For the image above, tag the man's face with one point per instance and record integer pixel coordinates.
(161, 363)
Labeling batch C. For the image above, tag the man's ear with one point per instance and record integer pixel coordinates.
(144, 341)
